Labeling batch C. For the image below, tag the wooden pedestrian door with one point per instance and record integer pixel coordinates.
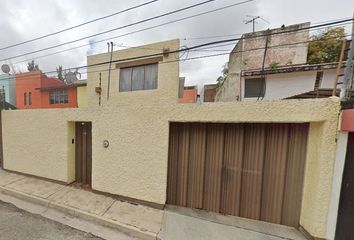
(83, 153)
(248, 170)
(345, 226)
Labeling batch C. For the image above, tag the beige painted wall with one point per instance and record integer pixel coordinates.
(319, 176)
(137, 126)
(71, 152)
(135, 164)
(81, 96)
(36, 142)
(167, 83)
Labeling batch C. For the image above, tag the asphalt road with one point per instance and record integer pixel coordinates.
(16, 224)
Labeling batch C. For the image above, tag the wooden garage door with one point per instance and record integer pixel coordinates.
(248, 170)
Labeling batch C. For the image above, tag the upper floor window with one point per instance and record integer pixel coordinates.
(318, 81)
(254, 87)
(29, 98)
(58, 97)
(25, 99)
(138, 78)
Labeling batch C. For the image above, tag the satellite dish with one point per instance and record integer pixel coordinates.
(5, 68)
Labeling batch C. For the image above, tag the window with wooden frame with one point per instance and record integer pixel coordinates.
(25, 99)
(143, 77)
(254, 87)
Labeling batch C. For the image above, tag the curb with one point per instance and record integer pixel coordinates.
(124, 228)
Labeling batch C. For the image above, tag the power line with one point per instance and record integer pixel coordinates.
(122, 27)
(159, 25)
(209, 49)
(240, 34)
(79, 25)
(126, 34)
(181, 50)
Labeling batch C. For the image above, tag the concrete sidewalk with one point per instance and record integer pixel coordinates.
(69, 204)
(108, 218)
(184, 223)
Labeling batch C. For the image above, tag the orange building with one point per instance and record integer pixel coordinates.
(36, 90)
(190, 95)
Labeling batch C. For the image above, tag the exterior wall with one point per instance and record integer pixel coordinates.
(25, 83)
(319, 176)
(284, 85)
(290, 54)
(41, 147)
(82, 96)
(230, 89)
(249, 52)
(338, 170)
(167, 83)
(280, 86)
(71, 152)
(135, 164)
(328, 78)
(136, 124)
(189, 96)
(209, 92)
(8, 82)
(347, 120)
(72, 99)
(31, 82)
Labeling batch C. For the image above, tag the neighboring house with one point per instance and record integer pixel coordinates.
(190, 95)
(7, 82)
(272, 162)
(287, 81)
(209, 92)
(36, 90)
(248, 56)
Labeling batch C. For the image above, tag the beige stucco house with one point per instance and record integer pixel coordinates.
(127, 144)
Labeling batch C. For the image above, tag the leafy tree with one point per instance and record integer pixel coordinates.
(224, 71)
(325, 47)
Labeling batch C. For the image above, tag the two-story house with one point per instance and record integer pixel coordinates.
(272, 65)
(35, 90)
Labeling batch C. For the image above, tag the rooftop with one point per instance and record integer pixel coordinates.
(291, 68)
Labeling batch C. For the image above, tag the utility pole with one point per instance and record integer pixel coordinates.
(349, 67)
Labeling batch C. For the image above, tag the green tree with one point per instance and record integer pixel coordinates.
(325, 47)
(224, 71)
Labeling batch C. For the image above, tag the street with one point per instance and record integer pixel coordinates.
(16, 224)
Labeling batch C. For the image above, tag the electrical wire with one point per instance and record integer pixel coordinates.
(141, 30)
(79, 25)
(240, 34)
(132, 24)
(177, 51)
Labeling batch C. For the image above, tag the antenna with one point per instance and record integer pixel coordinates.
(12, 68)
(5, 68)
(71, 76)
(253, 19)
